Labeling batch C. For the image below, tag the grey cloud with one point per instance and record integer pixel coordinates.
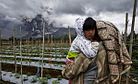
(77, 6)
(30, 8)
(69, 7)
(17, 8)
(113, 5)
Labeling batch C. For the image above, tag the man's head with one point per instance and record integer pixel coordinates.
(89, 28)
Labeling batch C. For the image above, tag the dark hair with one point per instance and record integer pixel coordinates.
(89, 24)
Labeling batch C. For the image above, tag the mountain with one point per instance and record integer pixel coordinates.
(58, 32)
(61, 32)
(31, 28)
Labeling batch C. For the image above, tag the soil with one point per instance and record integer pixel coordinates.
(31, 70)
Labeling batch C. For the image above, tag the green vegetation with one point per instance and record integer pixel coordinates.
(58, 49)
(55, 82)
(134, 69)
(43, 80)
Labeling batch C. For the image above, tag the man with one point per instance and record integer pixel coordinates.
(112, 63)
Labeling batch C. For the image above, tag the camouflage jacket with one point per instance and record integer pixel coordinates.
(119, 61)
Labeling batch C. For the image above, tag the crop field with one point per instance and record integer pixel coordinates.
(29, 62)
(35, 62)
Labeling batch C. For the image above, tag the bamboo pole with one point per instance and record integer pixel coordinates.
(51, 39)
(43, 47)
(38, 68)
(15, 69)
(48, 38)
(131, 34)
(69, 35)
(30, 50)
(0, 57)
(51, 50)
(126, 24)
(132, 28)
(21, 55)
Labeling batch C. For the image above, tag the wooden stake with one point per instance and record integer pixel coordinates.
(131, 34)
(126, 24)
(43, 47)
(132, 28)
(69, 36)
(14, 51)
(21, 55)
(0, 58)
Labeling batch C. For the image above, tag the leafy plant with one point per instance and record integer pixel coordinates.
(34, 80)
(17, 75)
(55, 82)
(48, 76)
(59, 77)
(43, 80)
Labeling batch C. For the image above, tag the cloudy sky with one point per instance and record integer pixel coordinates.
(64, 12)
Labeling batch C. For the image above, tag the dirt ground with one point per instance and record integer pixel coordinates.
(30, 70)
